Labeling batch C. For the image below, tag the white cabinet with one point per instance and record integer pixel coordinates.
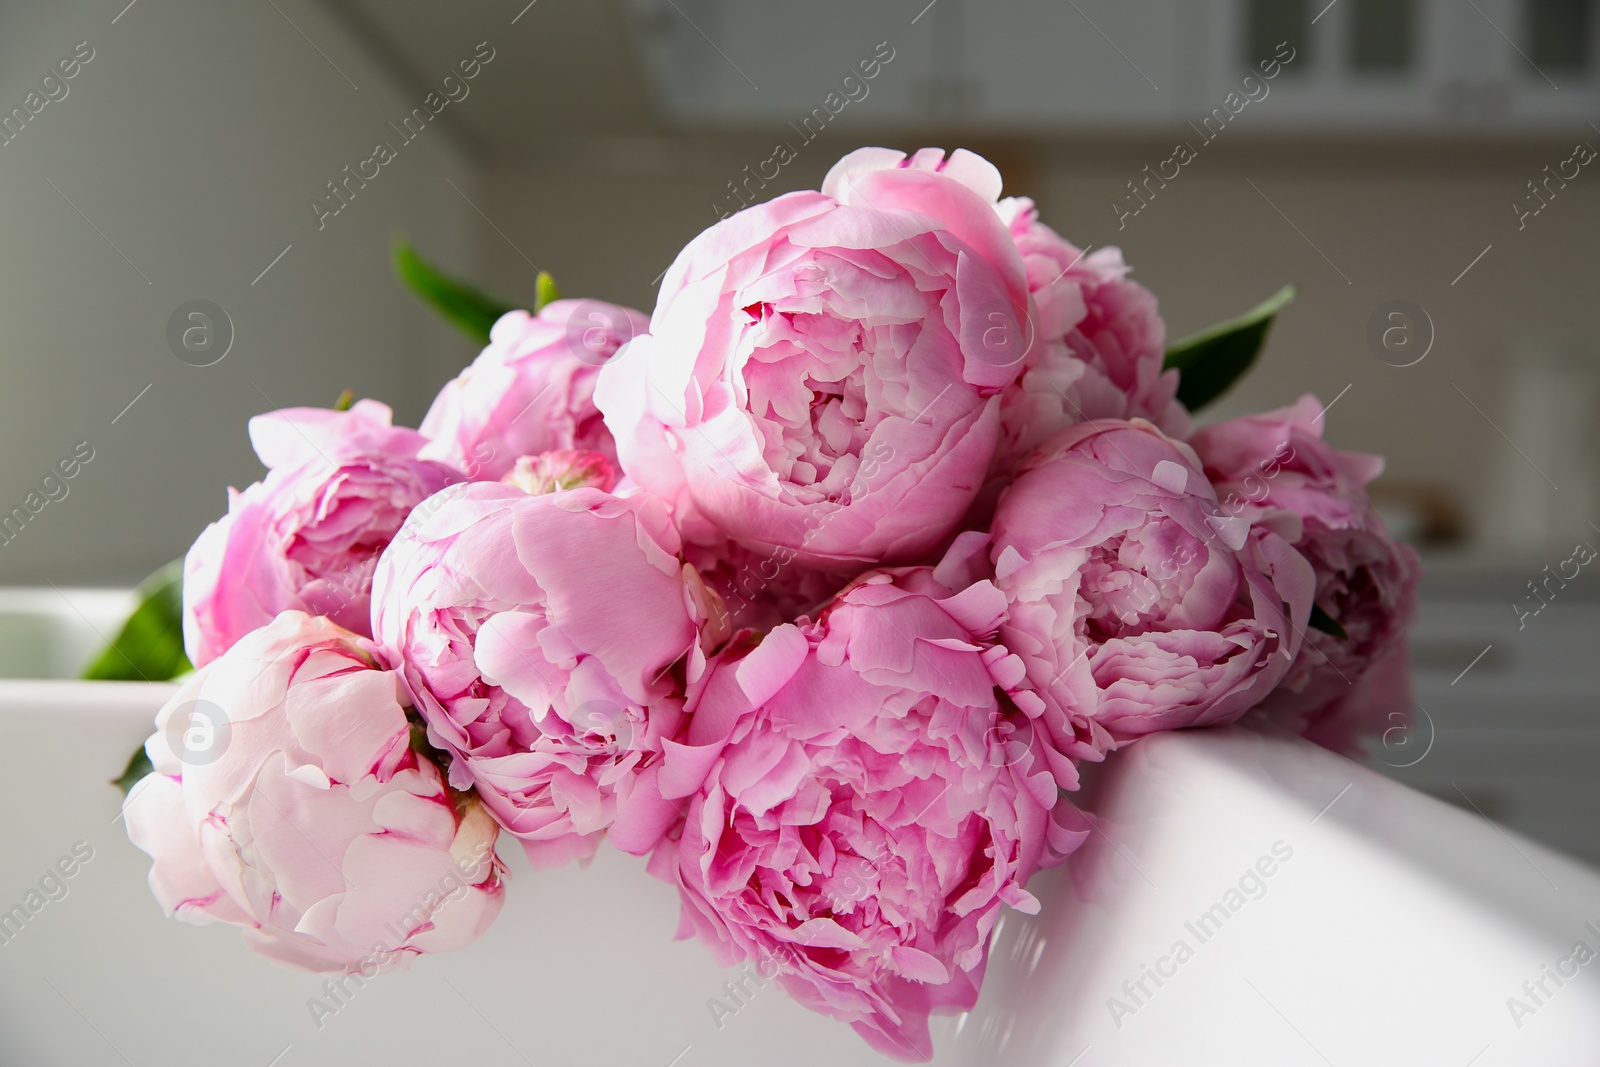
(1066, 66)
(1428, 65)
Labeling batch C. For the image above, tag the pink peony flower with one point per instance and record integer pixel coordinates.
(1339, 686)
(864, 795)
(531, 390)
(545, 640)
(1134, 600)
(822, 371)
(306, 537)
(1099, 347)
(287, 799)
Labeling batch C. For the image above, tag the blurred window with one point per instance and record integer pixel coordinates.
(1272, 22)
(1382, 35)
(1559, 33)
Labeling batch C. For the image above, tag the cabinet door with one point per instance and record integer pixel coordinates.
(1546, 58)
(1359, 65)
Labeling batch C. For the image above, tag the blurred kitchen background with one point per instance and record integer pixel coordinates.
(1419, 168)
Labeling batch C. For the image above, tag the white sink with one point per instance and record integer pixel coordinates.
(1394, 932)
(1367, 924)
(53, 633)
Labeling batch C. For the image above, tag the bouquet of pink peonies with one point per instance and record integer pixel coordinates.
(815, 587)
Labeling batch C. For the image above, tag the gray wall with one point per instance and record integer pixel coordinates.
(192, 141)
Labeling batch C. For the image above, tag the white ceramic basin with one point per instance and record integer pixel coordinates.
(1329, 916)
(1391, 930)
(52, 633)
(1256, 900)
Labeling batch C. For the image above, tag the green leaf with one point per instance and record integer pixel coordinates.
(138, 766)
(149, 647)
(461, 305)
(1321, 620)
(346, 400)
(1212, 360)
(544, 291)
